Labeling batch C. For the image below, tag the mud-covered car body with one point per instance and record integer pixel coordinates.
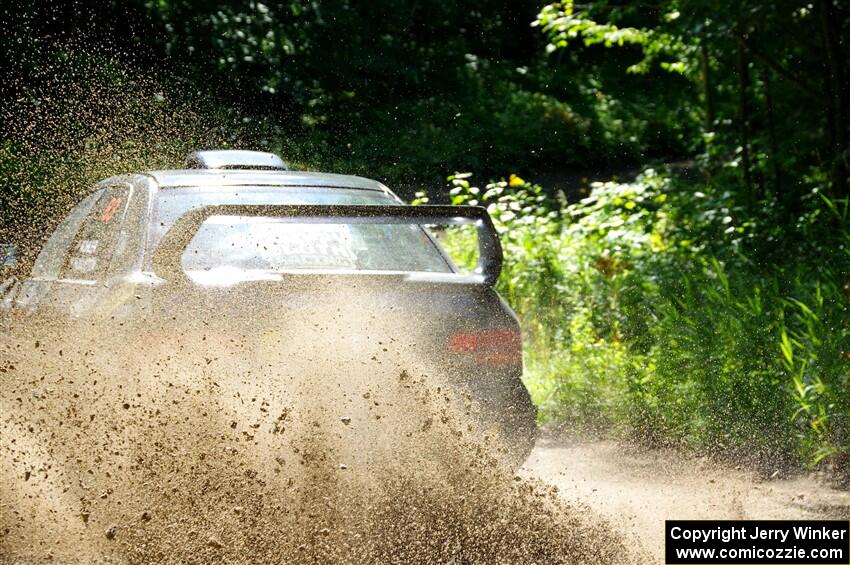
(191, 245)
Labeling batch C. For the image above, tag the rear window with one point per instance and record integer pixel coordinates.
(249, 243)
(246, 246)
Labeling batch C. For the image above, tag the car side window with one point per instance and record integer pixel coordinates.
(91, 250)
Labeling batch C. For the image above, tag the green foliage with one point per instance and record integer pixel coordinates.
(562, 24)
(427, 134)
(753, 71)
(648, 309)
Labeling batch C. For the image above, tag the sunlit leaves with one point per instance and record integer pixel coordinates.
(562, 25)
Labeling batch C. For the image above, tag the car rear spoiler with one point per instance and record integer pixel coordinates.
(167, 257)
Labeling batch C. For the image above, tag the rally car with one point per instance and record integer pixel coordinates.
(236, 233)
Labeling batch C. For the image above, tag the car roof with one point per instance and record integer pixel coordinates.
(234, 177)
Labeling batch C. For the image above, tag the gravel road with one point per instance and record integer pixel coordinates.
(636, 490)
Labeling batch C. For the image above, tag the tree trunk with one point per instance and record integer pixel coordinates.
(744, 116)
(771, 133)
(708, 87)
(708, 101)
(836, 90)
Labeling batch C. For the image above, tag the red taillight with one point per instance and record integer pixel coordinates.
(500, 346)
(463, 342)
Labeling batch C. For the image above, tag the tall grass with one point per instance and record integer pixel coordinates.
(669, 313)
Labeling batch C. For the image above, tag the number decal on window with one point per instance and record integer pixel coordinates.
(110, 210)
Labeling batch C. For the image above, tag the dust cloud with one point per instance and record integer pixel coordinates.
(76, 115)
(252, 433)
(230, 428)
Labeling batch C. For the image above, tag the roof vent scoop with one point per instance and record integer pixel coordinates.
(235, 159)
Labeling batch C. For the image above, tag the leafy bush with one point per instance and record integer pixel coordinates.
(653, 310)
